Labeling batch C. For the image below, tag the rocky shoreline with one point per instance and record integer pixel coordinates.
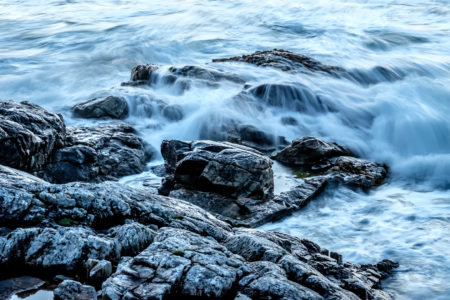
(63, 214)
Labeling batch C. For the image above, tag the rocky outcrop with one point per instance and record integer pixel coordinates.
(80, 228)
(284, 60)
(28, 135)
(110, 107)
(98, 153)
(228, 169)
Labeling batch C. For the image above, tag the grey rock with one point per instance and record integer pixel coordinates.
(98, 153)
(204, 73)
(28, 135)
(309, 151)
(74, 290)
(284, 60)
(11, 286)
(99, 270)
(173, 112)
(229, 169)
(133, 237)
(104, 108)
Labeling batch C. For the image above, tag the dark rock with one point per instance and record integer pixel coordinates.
(284, 60)
(105, 108)
(99, 270)
(98, 153)
(28, 135)
(226, 168)
(173, 112)
(309, 151)
(142, 73)
(74, 290)
(207, 74)
(289, 121)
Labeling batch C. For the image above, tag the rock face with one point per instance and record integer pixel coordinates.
(98, 153)
(284, 60)
(228, 169)
(73, 290)
(105, 108)
(187, 253)
(28, 135)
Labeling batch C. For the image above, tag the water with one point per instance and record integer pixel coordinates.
(57, 53)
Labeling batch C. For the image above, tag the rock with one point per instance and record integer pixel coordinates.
(358, 172)
(178, 263)
(289, 121)
(191, 254)
(229, 169)
(142, 73)
(283, 60)
(98, 153)
(173, 112)
(99, 270)
(207, 74)
(73, 290)
(28, 135)
(309, 151)
(105, 108)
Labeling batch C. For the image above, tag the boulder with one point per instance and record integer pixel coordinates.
(74, 290)
(98, 153)
(102, 108)
(99, 270)
(29, 135)
(228, 169)
(283, 60)
(309, 151)
(142, 72)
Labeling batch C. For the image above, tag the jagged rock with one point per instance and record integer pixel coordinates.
(229, 169)
(358, 172)
(284, 60)
(179, 263)
(28, 135)
(133, 237)
(142, 73)
(309, 151)
(98, 153)
(192, 254)
(74, 290)
(104, 108)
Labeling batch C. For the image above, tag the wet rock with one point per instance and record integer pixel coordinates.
(142, 73)
(133, 237)
(28, 135)
(358, 172)
(283, 60)
(173, 112)
(178, 263)
(229, 169)
(98, 153)
(104, 108)
(289, 121)
(203, 73)
(309, 151)
(74, 290)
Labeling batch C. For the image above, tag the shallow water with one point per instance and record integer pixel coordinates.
(57, 53)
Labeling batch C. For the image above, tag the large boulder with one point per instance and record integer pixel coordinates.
(98, 153)
(228, 169)
(28, 135)
(110, 107)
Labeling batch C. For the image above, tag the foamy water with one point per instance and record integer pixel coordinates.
(395, 109)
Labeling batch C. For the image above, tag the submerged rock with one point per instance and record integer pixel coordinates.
(98, 153)
(29, 135)
(105, 108)
(204, 73)
(142, 72)
(74, 290)
(284, 60)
